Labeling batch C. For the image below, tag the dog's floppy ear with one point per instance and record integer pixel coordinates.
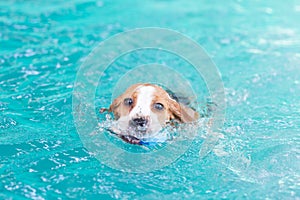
(115, 106)
(188, 114)
(181, 112)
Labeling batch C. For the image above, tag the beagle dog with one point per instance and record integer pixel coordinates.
(147, 108)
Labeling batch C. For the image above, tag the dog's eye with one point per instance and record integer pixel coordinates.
(158, 106)
(128, 101)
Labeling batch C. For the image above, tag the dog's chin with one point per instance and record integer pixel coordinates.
(134, 134)
(130, 139)
(138, 130)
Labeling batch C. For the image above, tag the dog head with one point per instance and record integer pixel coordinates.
(147, 108)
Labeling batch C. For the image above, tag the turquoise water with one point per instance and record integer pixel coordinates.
(254, 44)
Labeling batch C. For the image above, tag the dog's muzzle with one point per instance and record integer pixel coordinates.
(140, 123)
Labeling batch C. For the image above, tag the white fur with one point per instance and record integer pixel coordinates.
(144, 99)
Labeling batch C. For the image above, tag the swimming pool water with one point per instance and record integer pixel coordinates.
(254, 44)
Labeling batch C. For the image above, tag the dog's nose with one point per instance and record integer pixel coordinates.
(139, 122)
